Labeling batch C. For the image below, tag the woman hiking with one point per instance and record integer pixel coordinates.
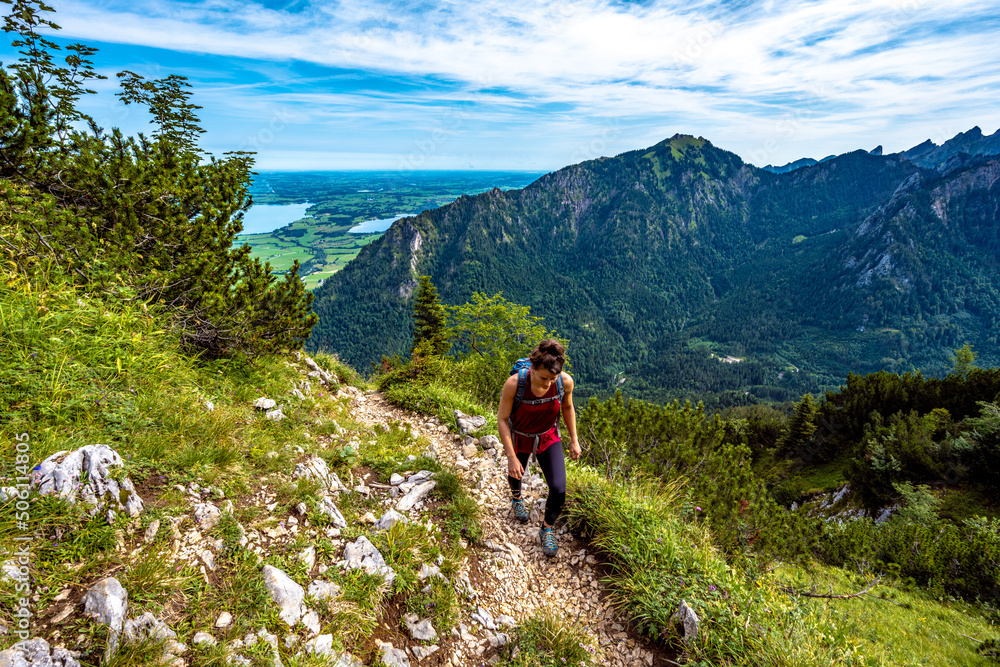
(530, 423)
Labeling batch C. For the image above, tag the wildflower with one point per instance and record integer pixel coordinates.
(711, 587)
(697, 509)
(659, 540)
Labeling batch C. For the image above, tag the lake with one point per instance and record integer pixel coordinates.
(264, 218)
(373, 226)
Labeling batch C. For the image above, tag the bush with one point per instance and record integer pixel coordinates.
(959, 560)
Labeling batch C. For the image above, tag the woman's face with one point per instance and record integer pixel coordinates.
(544, 377)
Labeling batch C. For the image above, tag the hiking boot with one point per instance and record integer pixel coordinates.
(548, 540)
(520, 511)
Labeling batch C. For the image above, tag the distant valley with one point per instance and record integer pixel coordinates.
(337, 222)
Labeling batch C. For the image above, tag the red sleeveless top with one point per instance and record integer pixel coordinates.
(535, 419)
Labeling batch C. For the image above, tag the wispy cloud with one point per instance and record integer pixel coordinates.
(771, 80)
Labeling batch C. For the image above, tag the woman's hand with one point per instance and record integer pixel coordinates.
(574, 450)
(514, 468)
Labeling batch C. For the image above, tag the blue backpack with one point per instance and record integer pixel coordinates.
(521, 367)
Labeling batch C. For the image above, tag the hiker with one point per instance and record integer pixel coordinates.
(528, 421)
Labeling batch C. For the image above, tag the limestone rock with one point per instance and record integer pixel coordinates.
(320, 373)
(393, 657)
(420, 629)
(316, 468)
(60, 475)
(484, 618)
(415, 495)
(151, 530)
(201, 638)
(468, 424)
(421, 652)
(274, 415)
(687, 620)
(388, 519)
(323, 590)
(107, 602)
(490, 442)
(362, 554)
(286, 593)
(36, 652)
(207, 515)
(264, 403)
(327, 507)
(224, 620)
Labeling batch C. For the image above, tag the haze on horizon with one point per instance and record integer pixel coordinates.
(536, 85)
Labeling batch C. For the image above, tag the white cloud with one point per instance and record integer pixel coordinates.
(835, 70)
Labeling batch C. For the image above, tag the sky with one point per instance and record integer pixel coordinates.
(535, 85)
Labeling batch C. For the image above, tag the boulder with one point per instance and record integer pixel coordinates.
(61, 474)
(274, 415)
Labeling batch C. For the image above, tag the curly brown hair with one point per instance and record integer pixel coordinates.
(550, 355)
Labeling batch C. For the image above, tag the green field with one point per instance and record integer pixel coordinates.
(322, 242)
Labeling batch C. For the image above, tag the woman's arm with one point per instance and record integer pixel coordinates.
(514, 468)
(569, 416)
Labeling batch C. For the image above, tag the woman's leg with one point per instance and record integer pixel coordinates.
(553, 466)
(515, 484)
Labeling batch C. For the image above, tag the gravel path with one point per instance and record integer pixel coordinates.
(509, 571)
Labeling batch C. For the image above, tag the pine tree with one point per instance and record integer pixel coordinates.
(430, 319)
(141, 217)
(801, 427)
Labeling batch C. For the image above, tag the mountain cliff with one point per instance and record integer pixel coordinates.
(658, 263)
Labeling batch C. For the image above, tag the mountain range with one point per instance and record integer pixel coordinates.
(681, 271)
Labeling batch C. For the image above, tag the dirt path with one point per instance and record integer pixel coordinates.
(508, 569)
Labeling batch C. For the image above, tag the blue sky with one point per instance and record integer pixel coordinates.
(536, 85)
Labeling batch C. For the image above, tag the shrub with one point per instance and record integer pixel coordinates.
(959, 560)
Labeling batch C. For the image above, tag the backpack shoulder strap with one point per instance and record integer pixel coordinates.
(559, 387)
(522, 382)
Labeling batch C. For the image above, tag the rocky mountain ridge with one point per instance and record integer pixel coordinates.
(654, 260)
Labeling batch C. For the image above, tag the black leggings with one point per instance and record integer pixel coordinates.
(554, 469)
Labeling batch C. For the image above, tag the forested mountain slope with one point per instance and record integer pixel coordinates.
(657, 263)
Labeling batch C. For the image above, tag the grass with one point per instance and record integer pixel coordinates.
(658, 559)
(549, 639)
(440, 400)
(824, 477)
(909, 627)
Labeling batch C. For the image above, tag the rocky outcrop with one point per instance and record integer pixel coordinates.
(94, 473)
